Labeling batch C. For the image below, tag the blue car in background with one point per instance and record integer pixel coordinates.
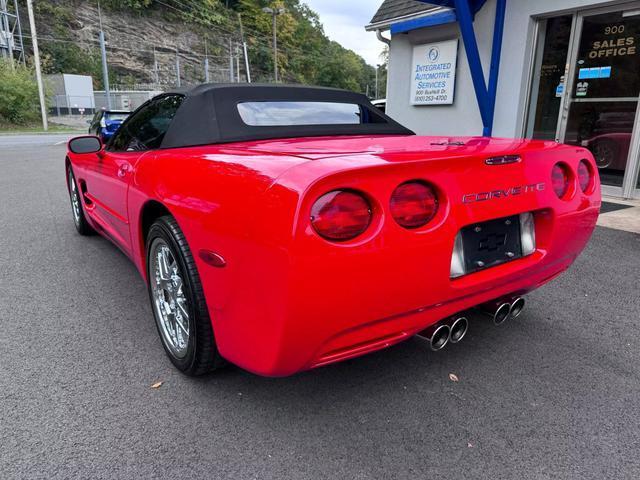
(107, 122)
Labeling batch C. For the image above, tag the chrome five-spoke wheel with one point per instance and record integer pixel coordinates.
(75, 198)
(170, 301)
(177, 300)
(79, 219)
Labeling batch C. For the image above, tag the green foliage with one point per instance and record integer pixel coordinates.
(203, 12)
(64, 57)
(60, 52)
(209, 12)
(127, 4)
(305, 54)
(19, 104)
(58, 16)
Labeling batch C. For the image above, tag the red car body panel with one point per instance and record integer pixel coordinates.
(287, 299)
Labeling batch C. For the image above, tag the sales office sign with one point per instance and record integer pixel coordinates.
(434, 73)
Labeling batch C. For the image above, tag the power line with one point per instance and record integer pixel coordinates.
(95, 43)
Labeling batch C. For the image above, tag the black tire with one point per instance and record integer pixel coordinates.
(77, 209)
(201, 355)
(606, 153)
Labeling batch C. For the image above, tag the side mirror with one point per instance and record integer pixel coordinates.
(86, 144)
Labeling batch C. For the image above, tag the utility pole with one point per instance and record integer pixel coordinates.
(105, 68)
(156, 76)
(178, 80)
(36, 61)
(244, 50)
(238, 63)
(206, 60)
(274, 12)
(230, 61)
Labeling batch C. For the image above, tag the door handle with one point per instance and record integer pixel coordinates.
(123, 169)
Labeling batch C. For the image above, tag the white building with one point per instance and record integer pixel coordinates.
(72, 94)
(569, 70)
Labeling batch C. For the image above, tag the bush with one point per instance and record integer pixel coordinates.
(19, 103)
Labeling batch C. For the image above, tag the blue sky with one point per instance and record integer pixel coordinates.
(344, 22)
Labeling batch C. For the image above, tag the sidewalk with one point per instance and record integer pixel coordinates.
(620, 214)
(79, 122)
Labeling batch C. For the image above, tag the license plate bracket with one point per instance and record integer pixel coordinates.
(491, 243)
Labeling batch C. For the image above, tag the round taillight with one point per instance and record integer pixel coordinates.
(585, 177)
(560, 179)
(340, 215)
(413, 204)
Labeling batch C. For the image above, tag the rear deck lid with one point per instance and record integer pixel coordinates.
(391, 148)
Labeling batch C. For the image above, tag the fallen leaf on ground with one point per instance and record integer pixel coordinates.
(469, 444)
(157, 385)
(453, 377)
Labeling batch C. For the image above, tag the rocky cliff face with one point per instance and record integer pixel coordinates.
(142, 50)
(146, 50)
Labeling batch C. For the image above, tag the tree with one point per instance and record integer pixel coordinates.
(19, 102)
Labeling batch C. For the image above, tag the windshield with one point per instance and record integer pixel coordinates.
(116, 116)
(282, 113)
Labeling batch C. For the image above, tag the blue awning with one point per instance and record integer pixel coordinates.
(474, 5)
(437, 18)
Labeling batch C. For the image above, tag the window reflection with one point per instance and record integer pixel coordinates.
(271, 114)
(608, 57)
(605, 128)
(550, 81)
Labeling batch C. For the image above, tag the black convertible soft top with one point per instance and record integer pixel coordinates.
(209, 114)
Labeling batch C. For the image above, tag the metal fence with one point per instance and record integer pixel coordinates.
(72, 105)
(128, 100)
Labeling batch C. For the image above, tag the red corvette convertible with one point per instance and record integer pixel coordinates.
(284, 228)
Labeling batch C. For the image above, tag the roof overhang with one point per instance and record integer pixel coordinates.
(443, 12)
(387, 24)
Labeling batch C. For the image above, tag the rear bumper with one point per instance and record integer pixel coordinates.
(364, 339)
(320, 308)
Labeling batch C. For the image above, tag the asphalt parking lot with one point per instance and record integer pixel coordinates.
(553, 394)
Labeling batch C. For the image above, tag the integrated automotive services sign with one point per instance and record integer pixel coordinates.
(433, 77)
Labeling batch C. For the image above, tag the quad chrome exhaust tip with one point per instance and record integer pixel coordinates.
(517, 306)
(502, 310)
(459, 329)
(438, 336)
(442, 333)
(502, 313)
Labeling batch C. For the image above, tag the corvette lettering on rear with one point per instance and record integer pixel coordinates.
(505, 193)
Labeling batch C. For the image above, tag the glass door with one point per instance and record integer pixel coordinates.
(601, 101)
(586, 87)
(554, 37)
